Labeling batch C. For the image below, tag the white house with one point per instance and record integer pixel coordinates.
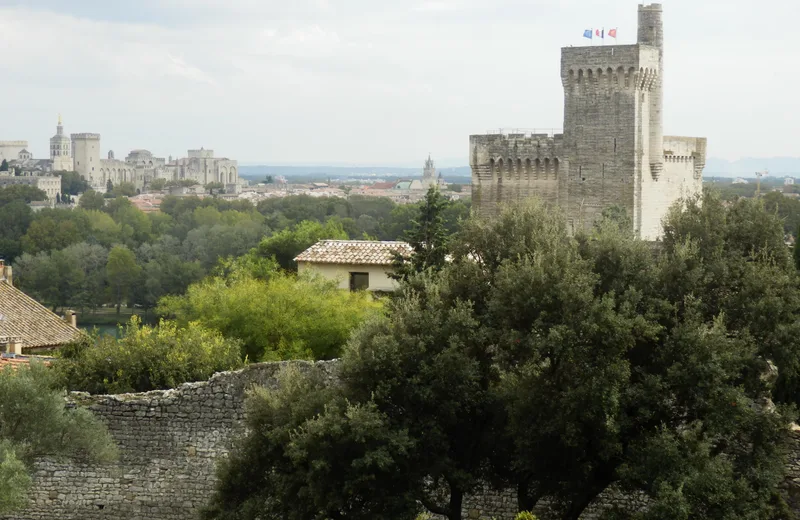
(355, 264)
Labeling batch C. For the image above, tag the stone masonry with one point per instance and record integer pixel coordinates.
(612, 150)
(170, 442)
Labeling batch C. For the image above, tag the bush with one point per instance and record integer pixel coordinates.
(147, 358)
(525, 515)
(284, 317)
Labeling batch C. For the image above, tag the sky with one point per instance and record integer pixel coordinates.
(374, 82)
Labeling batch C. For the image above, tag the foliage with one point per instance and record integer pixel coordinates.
(285, 245)
(92, 200)
(35, 423)
(427, 238)
(787, 208)
(72, 183)
(555, 365)
(184, 241)
(211, 186)
(525, 515)
(16, 217)
(280, 317)
(122, 272)
(124, 189)
(21, 192)
(146, 358)
(4, 166)
(350, 438)
(109, 186)
(157, 184)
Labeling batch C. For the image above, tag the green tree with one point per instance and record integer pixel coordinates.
(211, 186)
(146, 358)
(457, 188)
(124, 189)
(282, 317)
(47, 233)
(287, 244)
(72, 183)
(122, 272)
(427, 238)
(4, 166)
(109, 186)
(34, 423)
(92, 200)
(16, 216)
(21, 192)
(557, 365)
(157, 184)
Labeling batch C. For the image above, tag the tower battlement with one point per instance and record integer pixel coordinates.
(86, 136)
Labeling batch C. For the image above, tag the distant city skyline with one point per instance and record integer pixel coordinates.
(355, 82)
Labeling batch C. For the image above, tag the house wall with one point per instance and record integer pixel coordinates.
(378, 275)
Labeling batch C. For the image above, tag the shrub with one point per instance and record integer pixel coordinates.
(147, 358)
(525, 515)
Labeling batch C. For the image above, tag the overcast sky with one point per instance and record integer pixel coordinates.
(374, 82)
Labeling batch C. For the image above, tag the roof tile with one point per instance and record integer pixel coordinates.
(354, 252)
(23, 317)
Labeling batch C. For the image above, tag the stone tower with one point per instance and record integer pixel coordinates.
(61, 149)
(612, 151)
(86, 152)
(429, 174)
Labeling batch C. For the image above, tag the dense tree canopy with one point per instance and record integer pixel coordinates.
(557, 365)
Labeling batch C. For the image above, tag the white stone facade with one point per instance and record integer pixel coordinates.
(10, 150)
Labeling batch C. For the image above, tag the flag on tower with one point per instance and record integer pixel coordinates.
(601, 33)
(612, 33)
(587, 33)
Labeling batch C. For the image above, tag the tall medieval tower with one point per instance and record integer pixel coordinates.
(612, 152)
(61, 150)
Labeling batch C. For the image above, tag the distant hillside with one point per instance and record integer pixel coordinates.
(789, 166)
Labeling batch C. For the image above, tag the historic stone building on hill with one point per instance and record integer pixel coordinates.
(81, 152)
(612, 150)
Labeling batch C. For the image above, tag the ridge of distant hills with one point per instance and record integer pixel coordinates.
(746, 167)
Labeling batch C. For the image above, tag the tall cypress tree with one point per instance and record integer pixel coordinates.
(427, 237)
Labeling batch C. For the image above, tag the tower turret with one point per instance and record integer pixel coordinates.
(61, 149)
(651, 32)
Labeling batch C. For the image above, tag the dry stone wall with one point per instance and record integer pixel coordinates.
(170, 442)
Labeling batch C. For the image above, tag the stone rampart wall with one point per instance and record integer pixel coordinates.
(170, 442)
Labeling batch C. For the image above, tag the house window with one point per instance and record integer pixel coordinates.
(359, 281)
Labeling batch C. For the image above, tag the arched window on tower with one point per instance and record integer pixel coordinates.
(500, 169)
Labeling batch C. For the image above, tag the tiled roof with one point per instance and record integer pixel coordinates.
(353, 252)
(17, 360)
(382, 186)
(23, 317)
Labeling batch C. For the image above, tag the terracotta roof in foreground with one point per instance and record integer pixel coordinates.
(23, 317)
(354, 252)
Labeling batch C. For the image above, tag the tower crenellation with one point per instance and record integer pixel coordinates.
(612, 151)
